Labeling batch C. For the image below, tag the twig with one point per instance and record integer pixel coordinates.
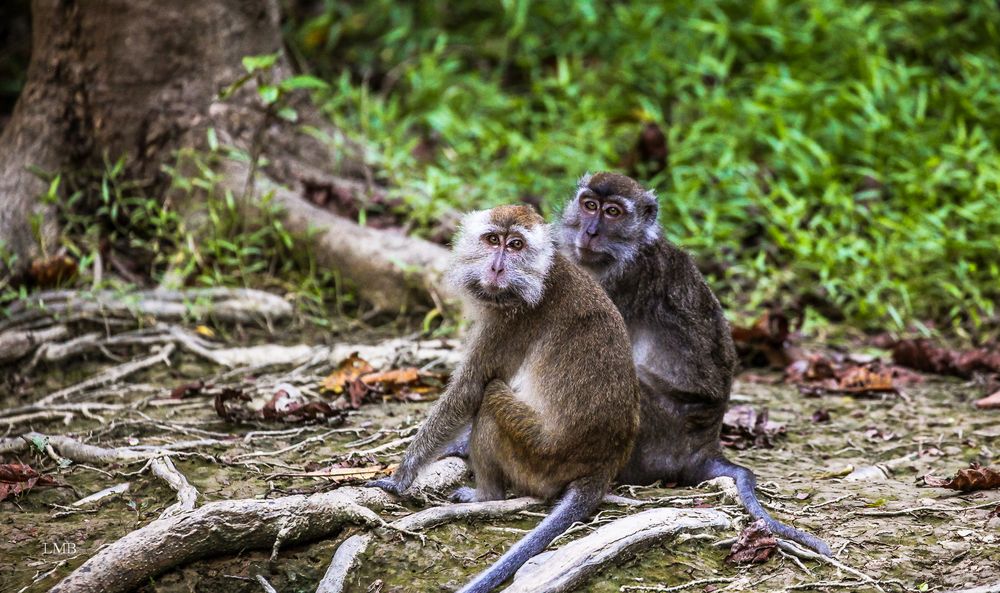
(797, 550)
(111, 375)
(665, 589)
(937, 509)
(265, 585)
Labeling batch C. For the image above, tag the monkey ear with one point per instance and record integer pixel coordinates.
(649, 206)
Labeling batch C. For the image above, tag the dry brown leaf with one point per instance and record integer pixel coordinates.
(17, 478)
(923, 356)
(764, 343)
(754, 545)
(743, 427)
(349, 370)
(395, 377)
(863, 379)
(972, 478)
(52, 271)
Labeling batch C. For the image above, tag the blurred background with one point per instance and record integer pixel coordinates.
(835, 157)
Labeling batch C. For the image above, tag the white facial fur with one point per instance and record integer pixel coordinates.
(528, 267)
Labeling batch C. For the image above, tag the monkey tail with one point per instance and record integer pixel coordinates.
(746, 485)
(577, 503)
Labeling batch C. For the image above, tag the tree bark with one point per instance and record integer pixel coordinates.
(142, 79)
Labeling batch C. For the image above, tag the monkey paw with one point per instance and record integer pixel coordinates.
(463, 494)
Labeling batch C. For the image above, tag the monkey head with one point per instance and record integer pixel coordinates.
(501, 257)
(608, 220)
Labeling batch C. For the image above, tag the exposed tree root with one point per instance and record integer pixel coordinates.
(571, 565)
(234, 305)
(231, 526)
(990, 588)
(187, 495)
(347, 554)
(274, 354)
(217, 527)
(110, 375)
(15, 344)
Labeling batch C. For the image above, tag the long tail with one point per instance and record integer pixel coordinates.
(746, 485)
(578, 502)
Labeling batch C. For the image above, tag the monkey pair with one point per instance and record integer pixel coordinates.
(606, 358)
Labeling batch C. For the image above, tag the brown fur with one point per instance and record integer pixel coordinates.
(507, 216)
(548, 384)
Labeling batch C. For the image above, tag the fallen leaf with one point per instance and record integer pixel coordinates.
(921, 355)
(187, 390)
(975, 477)
(879, 435)
(289, 405)
(18, 478)
(204, 330)
(836, 473)
(396, 377)
(862, 379)
(52, 271)
(764, 343)
(349, 370)
(754, 545)
(744, 427)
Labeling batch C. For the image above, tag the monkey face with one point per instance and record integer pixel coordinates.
(501, 256)
(608, 219)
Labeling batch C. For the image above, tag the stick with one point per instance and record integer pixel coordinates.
(111, 375)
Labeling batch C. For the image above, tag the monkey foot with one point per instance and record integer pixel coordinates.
(463, 494)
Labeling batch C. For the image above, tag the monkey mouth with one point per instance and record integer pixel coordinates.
(498, 293)
(589, 255)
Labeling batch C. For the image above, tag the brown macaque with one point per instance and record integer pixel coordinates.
(681, 342)
(547, 381)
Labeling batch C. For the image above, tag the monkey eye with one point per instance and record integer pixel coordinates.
(590, 205)
(516, 244)
(493, 239)
(613, 211)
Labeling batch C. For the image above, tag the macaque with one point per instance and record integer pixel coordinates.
(681, 342)
(547, 381)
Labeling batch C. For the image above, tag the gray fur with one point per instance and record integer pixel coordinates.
(681, 341)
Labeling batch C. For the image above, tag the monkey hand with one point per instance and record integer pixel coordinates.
(396, 484)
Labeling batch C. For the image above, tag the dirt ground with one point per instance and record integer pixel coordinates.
(906, 536)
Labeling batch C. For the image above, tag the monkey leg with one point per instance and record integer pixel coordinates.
(483, 448)
(576, 504)
(460, 446)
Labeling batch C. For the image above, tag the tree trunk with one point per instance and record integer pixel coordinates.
(141, 79)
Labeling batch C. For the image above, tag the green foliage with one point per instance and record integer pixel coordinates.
(105, 213)
(844, 148)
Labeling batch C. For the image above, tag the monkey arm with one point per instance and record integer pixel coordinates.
(518, 422)
(447, 418)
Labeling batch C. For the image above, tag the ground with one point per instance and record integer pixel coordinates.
(903, 534)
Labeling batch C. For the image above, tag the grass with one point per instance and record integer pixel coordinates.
(837, 150)
(150, 240)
